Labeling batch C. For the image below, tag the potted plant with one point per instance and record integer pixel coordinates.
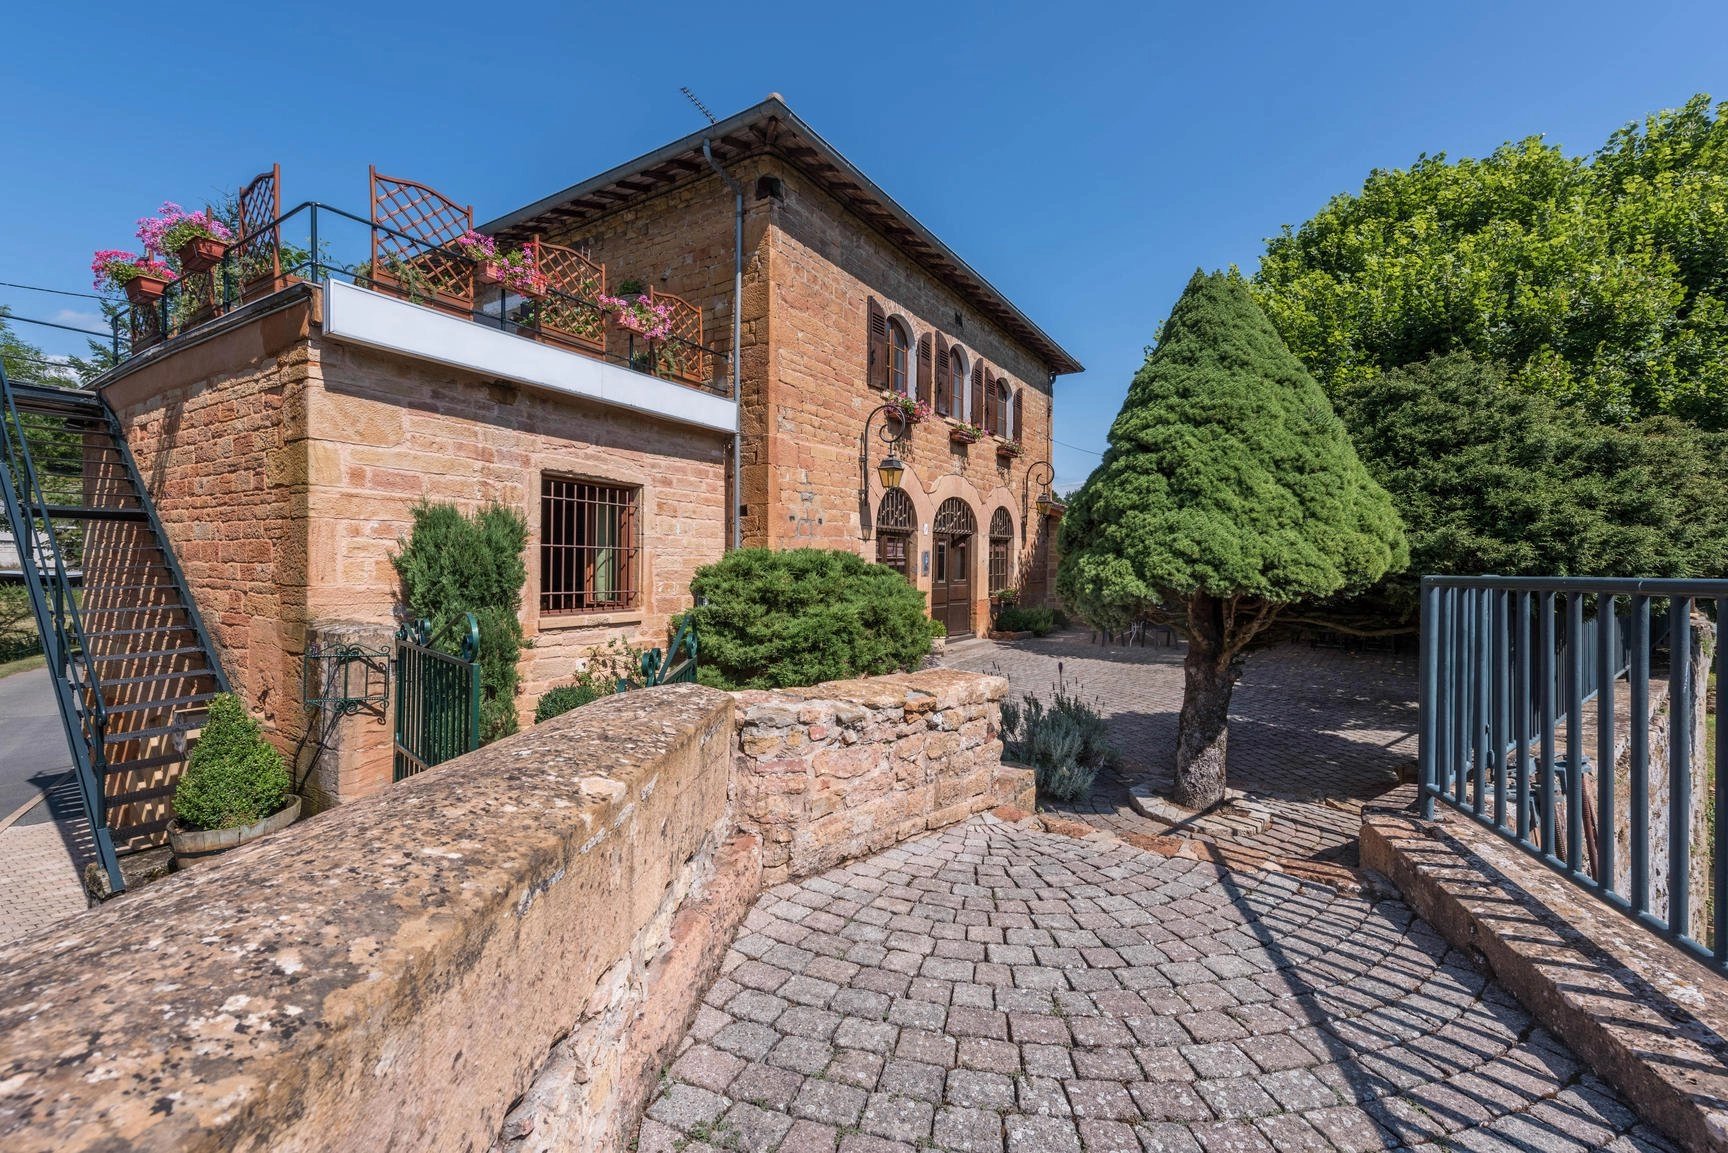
(911, 411)
(483, 251)
(140, 276)
(964, 433)
(196, 240)
(1008, 450)
(235, 788)
(632, 290)
(640, 314)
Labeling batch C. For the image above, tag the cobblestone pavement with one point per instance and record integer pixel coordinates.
(1314, 734)
(42, 857)
(994, 988)
(41, 883)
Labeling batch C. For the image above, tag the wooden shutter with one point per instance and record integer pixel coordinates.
(878, 330)
(1019, 413)
(925, 369)
(980, 414)
(942, 374)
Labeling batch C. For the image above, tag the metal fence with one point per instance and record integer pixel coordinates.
(1537, 721)
(437, 695)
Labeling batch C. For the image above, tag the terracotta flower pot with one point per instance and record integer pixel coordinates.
(144, 289)
(195, 844)
(961, 436)
(201, 254)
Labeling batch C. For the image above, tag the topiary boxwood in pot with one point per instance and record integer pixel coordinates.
(234, 789)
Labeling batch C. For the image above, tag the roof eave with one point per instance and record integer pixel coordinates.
(1056, 358)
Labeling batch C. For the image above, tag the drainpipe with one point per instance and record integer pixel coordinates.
(737, 338)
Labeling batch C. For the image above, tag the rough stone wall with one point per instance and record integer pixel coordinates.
(393, 973)
(218, 431)
(502, 951)
(838, 770)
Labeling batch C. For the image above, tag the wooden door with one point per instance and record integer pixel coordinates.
(951, 569)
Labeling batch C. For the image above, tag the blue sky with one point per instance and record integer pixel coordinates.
(1086, 159)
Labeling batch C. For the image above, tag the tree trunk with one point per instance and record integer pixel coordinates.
(1209, 675)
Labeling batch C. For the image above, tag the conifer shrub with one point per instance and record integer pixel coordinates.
(1230, 492)
(454, 563)
(234, 776)
(770, 619)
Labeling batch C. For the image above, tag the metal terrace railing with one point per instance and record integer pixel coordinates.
(1542, 711)
(418, 262)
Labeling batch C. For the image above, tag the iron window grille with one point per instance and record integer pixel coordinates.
(895, 520)
(590, 546)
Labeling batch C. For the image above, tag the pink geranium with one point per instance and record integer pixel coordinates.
(172, 226)
(644, 316)
(113, 267)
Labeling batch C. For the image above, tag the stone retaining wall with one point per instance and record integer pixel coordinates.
(846, 768)
(501, 952)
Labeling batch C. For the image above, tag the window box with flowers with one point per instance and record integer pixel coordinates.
(196, 240)
(1008, 450)
(965, 433)
(513, 270)
(911, 411)
(140, 276)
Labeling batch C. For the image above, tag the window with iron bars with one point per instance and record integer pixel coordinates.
(590, 551)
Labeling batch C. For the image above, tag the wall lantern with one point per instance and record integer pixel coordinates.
(890, 471)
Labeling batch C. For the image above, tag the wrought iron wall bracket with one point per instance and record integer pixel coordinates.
(346, 679)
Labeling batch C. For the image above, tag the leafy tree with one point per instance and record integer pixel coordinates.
(1489, 478)
(1603, 282)
(769, 620)
(1229, 492)
(454, 563)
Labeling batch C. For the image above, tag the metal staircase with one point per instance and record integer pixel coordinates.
(131, 663)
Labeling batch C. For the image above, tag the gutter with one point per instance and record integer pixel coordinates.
(737, 336)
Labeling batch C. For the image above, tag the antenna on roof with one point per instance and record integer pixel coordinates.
(700, 107)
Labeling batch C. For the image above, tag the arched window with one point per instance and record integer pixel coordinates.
(956, 383)
(899, 346)
(955, 516)
(1001, 542)
(895, 521)
(996, 414)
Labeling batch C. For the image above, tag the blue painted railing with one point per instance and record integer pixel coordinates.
(1510, 666)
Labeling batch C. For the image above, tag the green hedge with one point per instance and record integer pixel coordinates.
(770, 619)
(234, 776)
(1040, 622)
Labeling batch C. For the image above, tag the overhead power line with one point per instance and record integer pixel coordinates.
(55, 291)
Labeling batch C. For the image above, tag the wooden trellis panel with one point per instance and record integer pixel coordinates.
(259, 249)
(682, 355)
(571, 273)
(414, 257)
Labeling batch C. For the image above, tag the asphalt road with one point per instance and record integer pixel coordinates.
(32, 743)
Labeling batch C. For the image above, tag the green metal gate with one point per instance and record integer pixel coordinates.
(437, 695)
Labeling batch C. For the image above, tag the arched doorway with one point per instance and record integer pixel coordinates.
(951, 570)
(895, 524)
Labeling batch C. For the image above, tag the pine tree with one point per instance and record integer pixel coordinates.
(1229, 492)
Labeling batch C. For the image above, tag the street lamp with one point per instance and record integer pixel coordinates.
(891, 469)
(1044, 501)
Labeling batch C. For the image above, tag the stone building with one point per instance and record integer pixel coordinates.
(287, 419)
